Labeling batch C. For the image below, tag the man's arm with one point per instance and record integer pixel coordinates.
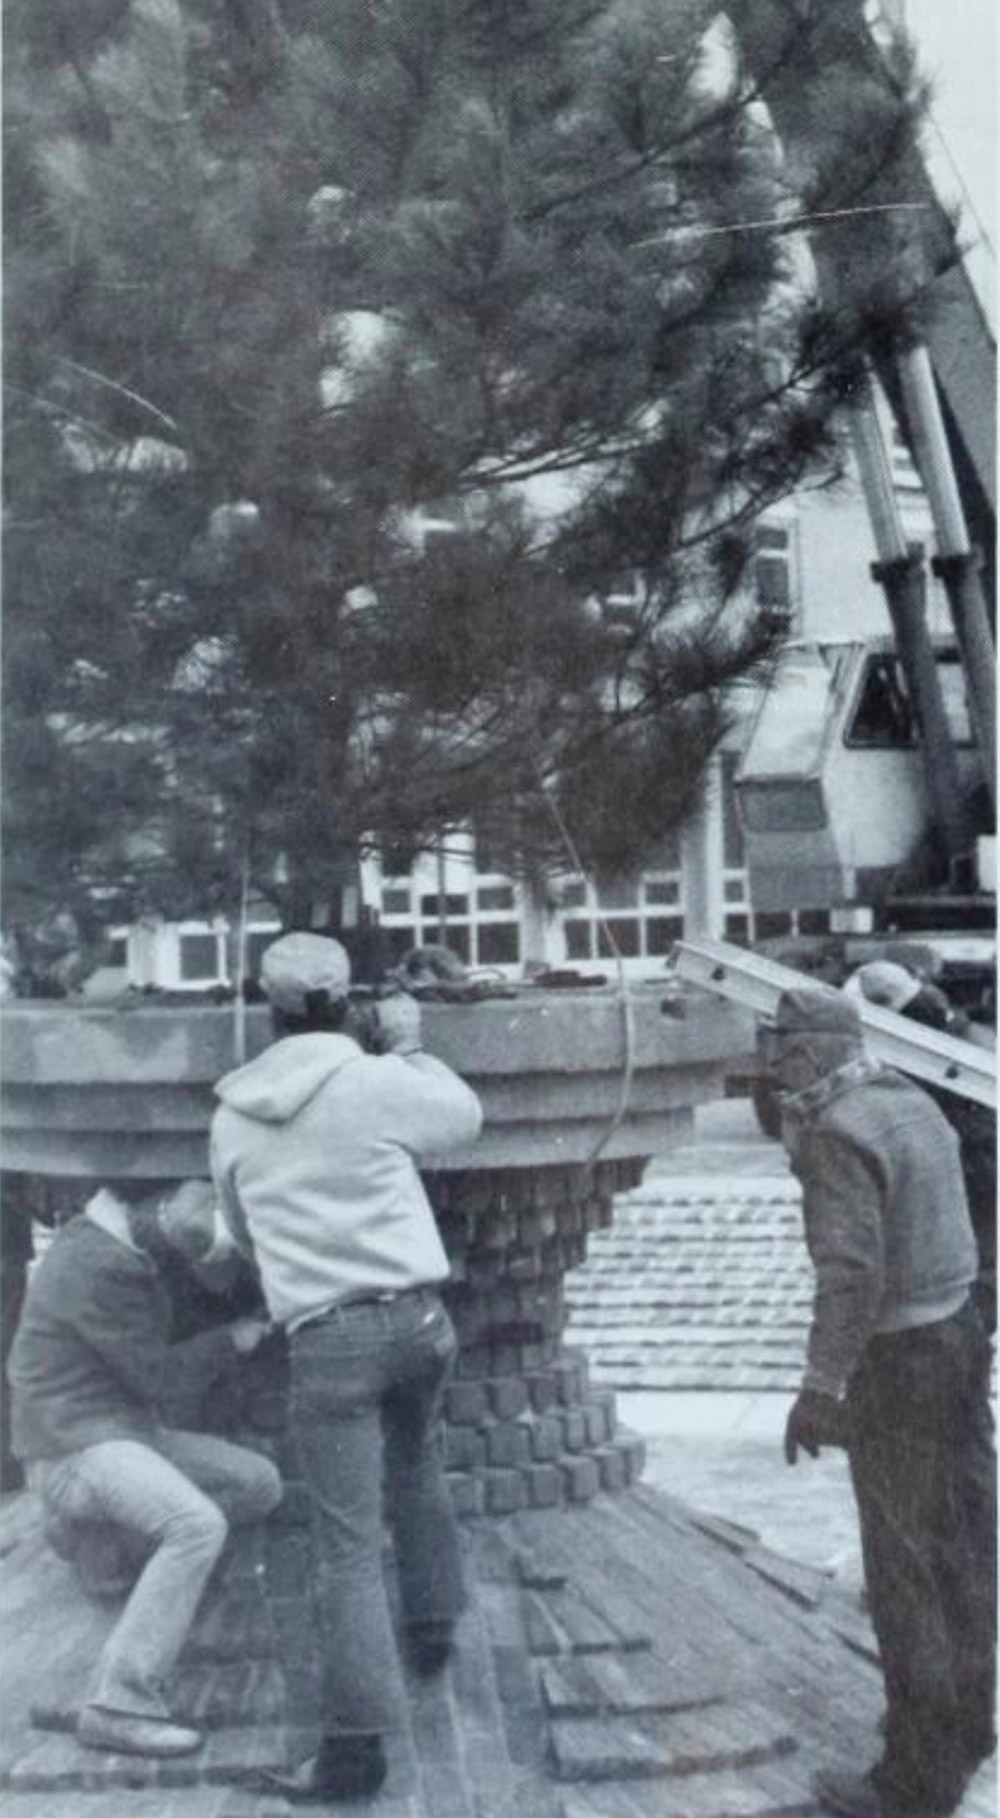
(842, 1208)
(125, 1319)
(229, 1205)
(428, 1108)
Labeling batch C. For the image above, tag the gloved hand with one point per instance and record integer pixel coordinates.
(398, 1024)
(814, 1420)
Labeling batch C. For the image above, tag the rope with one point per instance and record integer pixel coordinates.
(625, 1001)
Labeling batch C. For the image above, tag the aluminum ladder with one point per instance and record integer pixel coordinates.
(755, 983)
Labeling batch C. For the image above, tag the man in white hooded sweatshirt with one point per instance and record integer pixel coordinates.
(316, 1147)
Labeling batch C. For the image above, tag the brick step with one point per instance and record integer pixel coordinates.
(647, 1745)
(624, 1251)
(773, 1793)
(620, 1338)
(684, 1302)
(711, 1254)
(561, 1622)
(600, 1684)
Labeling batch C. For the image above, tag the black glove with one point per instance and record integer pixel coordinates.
(814, 1420)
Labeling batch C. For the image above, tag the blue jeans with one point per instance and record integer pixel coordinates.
(366, 1385)
(176, 1495)
(923, 1466)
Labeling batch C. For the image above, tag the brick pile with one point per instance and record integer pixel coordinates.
(625, 1659)
(698, 1284)
(525, 1427)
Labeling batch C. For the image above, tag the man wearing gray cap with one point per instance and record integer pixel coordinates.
(898, 1369)
(316, 1147)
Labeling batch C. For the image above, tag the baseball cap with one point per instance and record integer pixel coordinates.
(188, 1218)
(297, 965)
(883, 982)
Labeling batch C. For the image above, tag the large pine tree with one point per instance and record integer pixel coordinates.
(288, 279)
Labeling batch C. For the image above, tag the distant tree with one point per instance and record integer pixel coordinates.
(287, 279)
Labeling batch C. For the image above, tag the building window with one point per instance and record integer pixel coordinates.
(883, 717)
(498, 944)
(495, 896)
(661, 933)
(198, 958)
(625, 917)
(733, 850)
(578, 940)
(621, 930)
(435, 906)
(773, 569)
(480, 925)
(395, 902)
(398, 941)
(666, 891)
(257, 942)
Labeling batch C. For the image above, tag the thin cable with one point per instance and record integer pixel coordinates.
(628, 1013)
(239, 1001)
(893, 16)
(963, 186)
(783, 224)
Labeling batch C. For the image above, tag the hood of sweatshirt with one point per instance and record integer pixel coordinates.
(275, 1086)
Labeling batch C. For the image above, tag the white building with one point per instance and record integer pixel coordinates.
(813, 565)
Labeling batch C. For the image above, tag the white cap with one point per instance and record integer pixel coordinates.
(883, 982)
(299, 964)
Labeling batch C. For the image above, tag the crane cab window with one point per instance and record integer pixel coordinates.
(884, 719)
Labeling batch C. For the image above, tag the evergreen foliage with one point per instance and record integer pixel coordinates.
(286, 277)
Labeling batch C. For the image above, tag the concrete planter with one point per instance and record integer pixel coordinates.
(97, 1093)
(130, 1092)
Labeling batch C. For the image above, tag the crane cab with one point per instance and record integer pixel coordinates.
(830, 787)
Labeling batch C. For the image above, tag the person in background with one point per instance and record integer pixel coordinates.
(17, 1251)
(90, 1367)
(896, 988)
(898, 1366)
(316, 1146)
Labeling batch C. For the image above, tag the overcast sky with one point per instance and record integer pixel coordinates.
(957, 44)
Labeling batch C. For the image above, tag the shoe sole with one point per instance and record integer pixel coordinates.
(120, 1747)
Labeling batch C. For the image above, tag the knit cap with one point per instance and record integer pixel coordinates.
(816, 1010)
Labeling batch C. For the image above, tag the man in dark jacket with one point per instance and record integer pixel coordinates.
(898, 1364)
(90, 1368)
(896, 988)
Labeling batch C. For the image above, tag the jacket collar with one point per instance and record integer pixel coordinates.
(811, 1099)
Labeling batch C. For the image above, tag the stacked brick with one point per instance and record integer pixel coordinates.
(525, 1428)
(697, 1287)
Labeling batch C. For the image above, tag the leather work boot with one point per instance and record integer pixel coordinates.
(859, 1796)
(343, 1767)
(124, 1734)
(851, 1795)
(429, 1646)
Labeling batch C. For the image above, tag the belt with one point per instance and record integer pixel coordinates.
(350, 1301)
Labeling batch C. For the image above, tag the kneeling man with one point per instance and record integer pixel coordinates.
(89, 1370)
